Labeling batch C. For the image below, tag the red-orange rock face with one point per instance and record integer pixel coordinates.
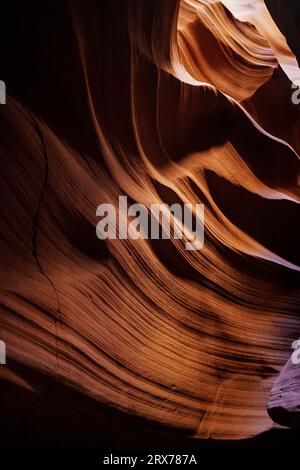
(162, 101)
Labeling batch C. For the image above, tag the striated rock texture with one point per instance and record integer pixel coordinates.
(163, 101)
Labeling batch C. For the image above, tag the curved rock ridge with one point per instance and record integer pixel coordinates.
(185, 102)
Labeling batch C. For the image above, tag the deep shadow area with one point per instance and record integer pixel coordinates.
(60, 418)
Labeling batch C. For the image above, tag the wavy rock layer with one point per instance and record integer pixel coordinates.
(185, 102)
